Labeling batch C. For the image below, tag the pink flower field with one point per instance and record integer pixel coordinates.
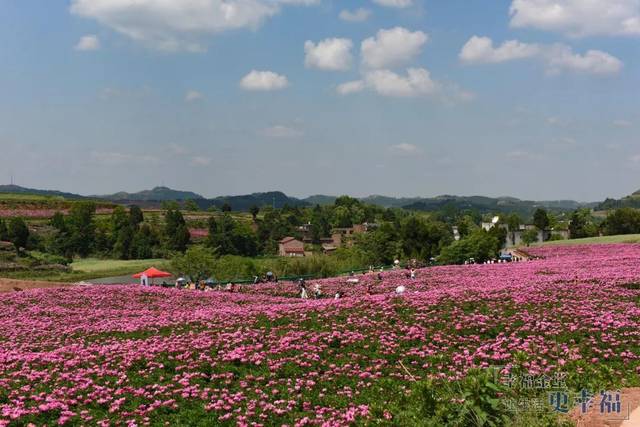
(124, 355)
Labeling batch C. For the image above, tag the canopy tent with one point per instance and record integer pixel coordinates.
(152, 273)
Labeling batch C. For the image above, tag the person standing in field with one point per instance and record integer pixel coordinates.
(302, 287)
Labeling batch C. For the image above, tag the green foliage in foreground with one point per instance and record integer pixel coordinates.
(625, 238)
(201, 263)
(476, 400)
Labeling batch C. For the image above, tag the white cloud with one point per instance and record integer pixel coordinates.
(400, 4)
(281, 132)
(557, 58)
(201, 161)
(329, 54)
(193, 95)
(621, 123)
(395, 46)
(351, 87)
(88, 43)
(417, 82)
(405, 148)
(179, 25)
(358, 15)
(177, 149)
(517, 155)
(562, 58)
(481, 50)
(264, 81)
(578, 18)
(114, 158)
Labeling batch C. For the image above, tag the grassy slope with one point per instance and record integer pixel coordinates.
(101, 266)
(91, 269)
(626, 238)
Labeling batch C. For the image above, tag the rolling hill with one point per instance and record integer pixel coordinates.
(16, 189)
(157, 194)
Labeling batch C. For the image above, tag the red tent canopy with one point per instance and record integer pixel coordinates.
(152, 273)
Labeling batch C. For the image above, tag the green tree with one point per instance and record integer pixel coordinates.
(122, 245)
(479, 245)
(541, 219)
(530, 236)
(136, 216)
(423, 239)
(578, 224)
(226, 207)
(380, 246)
(82, 228)
(18, 232)
(176, 231)
(320, 226)
(623, 221)
(254, 211)
(513, 222)
(191, 206)
(229, 237)
(197, 263)
(342, 217)
(119, 220)
(4, 236)
(58, 222)
(143, 243)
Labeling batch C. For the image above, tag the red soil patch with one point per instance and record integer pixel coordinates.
(630, 399)
(10, 285)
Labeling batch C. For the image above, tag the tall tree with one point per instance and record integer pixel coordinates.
(254, 210)
(136, 216)
(82, 228)
(4, 236)
(541, 219)
(176, 230)
(18, 232)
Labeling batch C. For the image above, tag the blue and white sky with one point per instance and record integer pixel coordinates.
(536, 99)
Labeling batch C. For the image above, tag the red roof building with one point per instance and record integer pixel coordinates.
(291, 247)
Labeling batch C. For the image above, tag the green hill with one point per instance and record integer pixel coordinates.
(157, 194)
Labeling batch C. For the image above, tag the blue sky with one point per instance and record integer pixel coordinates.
(531, 98)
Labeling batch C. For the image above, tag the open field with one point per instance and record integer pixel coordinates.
(88, 269)
(626, 238)
(102, 266)
(148, 356)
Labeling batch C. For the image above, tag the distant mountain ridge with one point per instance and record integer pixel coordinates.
(276, 199)
(157, 194)
(16, 189)
(630, 201)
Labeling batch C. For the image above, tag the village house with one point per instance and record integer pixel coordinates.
(291, 247)
(514, 238)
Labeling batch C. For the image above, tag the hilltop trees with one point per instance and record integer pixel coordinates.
(229, 237)
(176, 231)
(530, 236)
(541, 219)
(4, 236)
(76, 233)
(480, 246)
(254, 211)
(623, 221)
(17, 233)
(197, 263)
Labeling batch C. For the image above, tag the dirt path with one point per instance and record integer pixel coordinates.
(629, 416)
(10, 285)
